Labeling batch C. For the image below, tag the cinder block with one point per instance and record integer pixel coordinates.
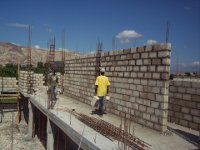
(195, 112)
(156, 76)
(165, 54)
(184, 123)
(196, 84)
(151, 96)
(150, 110)
(153, 54)
(166, 61)
(193, 126)
(178, 95)
(196, 119)
(156, 61)
(196, 98)
(187, 117)
(185, 110)
(187, 97)
(139, 62)
(146, 116)
(154, 104)
(154, 118)
(191, 90)
(142, 108)
(147, 61)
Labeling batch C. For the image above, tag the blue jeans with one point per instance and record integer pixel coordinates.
(53, 91)
(101, 104)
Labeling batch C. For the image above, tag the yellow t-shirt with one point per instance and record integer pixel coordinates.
(102, 82)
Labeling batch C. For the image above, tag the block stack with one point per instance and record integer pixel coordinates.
(23, 81)
(8, 84)
(39, 79)
(184, 103)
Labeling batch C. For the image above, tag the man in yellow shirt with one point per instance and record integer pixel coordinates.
(101, 88)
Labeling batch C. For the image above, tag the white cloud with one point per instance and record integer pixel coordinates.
(196, 63)
(37, 46)
(150, 42)
(125, 35)
(18, 25)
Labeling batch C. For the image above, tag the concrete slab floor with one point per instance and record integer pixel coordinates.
(179, 138)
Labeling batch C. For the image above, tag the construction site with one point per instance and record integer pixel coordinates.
(146, 109)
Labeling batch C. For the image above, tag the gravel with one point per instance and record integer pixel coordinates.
(19, 133)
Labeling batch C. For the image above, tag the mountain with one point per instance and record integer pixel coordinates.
(10, 53)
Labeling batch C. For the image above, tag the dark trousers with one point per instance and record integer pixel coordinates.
(101, 104)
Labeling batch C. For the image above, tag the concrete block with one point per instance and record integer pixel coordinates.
(140, 49)
(178, 95)
(146, 116)
(153, 54)
(187, 117)
(148, 48)
(147, 102)
(139, 62)
(196, 84)
(152, 68)
(144, 82)
(196, 98)
(184, 123)
(154, 104)
(133, 50)
(150, 110)
(187, 84)
(144, 55)
(156, 61)
(140, 75)
(147, 61)
(178, 83)
(166, 61)
(156, 76)
(193, 126)
(142, 108)
(149, 124)
(187, 97)
(132, 62)
(185, 110)
(163, 68)
(195, 112)
(196, 119)
(191, 90)
(152, 82)
(154, 118)
(136, 56)
(143, 68)
(165, 54)
(151, 96)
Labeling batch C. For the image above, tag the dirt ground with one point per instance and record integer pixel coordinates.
(19, 134)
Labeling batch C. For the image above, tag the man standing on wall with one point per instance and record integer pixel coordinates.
(102, 89)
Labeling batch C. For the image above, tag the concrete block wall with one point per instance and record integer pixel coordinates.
(184, 103)
(8, 83)
(79, 77)
(139, 82)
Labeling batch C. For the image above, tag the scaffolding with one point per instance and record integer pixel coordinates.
(29, 64)
(51, 70)
(63, 62)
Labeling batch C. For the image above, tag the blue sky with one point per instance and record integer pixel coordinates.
(130, 22)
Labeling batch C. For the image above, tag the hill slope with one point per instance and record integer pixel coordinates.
(10, 53)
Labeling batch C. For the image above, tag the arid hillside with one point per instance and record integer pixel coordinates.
(10, 53)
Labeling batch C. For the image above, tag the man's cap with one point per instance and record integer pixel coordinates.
(103, 70)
